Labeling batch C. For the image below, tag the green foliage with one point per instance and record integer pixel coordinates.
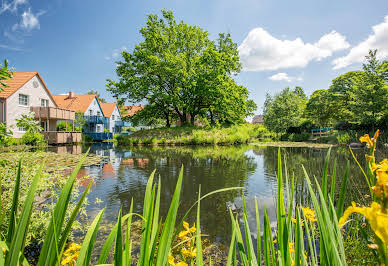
(182, 74)
(5, 74)
(5, 135)
(236, 134)
(33, 139)
(64, 126)
(296, 137)
(285, 109)
(28, 122)
(324, 107)
(343, 138)
(95, 92)
(86, 138)
(79, 119)
(370, 93)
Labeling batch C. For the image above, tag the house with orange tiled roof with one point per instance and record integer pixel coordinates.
(130, 110)
(27, 93)
(112, 112)
(89, 106)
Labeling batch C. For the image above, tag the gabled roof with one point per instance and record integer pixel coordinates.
(19, 78)
(108, 108)
(130, 110)
(77, 103)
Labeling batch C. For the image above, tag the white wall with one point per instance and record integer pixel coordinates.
(14, 110)
(95, 107)
(116, 114)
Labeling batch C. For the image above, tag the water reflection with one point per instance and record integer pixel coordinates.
(124, 176)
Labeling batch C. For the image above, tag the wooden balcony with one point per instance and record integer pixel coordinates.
(52, 113)
(62, 137)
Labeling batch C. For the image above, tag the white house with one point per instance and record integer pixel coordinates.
(26, 89)
(87, 104)
(112, 113)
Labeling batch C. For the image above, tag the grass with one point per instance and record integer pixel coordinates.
(236, 134)
(303, 236)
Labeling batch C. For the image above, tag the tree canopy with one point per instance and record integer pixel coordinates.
(183, 74)
(285, 109)
(5, 74)
(98, 95)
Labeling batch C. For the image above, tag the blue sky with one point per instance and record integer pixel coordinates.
(74, 44)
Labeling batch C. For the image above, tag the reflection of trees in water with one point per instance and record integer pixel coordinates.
(313, 161)
(212, 167)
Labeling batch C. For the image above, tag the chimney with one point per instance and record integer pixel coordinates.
(71, 94)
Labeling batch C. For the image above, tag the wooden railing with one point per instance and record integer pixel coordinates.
(62, 137)
(52, 113)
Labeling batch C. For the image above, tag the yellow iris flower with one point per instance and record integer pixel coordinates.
(370, 142)
(189, 253)
(309, 213)
(188, 230)
(378, 220)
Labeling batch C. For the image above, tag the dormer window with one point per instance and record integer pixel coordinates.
(23, 99)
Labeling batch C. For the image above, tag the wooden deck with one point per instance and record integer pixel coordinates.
(62, 137)
(52, 113)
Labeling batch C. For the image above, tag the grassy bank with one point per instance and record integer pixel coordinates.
(237, 134)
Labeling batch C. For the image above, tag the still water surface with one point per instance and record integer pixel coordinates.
(124, 175)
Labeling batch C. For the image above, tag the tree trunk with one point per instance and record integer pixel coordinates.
(192, 119)
(211, 118)
(167, 120)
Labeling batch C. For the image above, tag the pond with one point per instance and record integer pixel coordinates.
(124, 175)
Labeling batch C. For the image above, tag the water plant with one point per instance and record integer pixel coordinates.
(304, 235)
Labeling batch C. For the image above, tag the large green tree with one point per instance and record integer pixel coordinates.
(325, 107)
(98, 95)
(369, 101)
(183, 73)
(285, 109)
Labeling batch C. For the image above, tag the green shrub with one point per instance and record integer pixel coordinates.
(63, 126)
(343, 138)
(5, 135)
(33, 139)
(86, 138)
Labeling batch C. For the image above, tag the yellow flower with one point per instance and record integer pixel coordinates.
(294, 221)
(71, 254)
(172, 262)
(370, 142)
(309, 213)
(189, 253)
(275, 241)
(291, 247)
(182, 234)
(378, 220)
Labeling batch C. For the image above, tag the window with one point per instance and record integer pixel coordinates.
(113, 117)
(22, 129)
(44, 102)
(23, 99)
(90, 112)
(98, 113)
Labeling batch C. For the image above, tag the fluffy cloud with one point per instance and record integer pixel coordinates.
(284, 77)
(377, 40)
(261, 51)
(116, 53)
(29, 21)
(11, 6)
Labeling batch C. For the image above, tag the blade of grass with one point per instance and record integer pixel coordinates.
(258, 232)
(341, 199)
(199, 258)
(248, 239)
(48, 254)
(169, 225)
(18, 238)
(324, 175)
(87, 244)
(127, 253)
(118, 255)
(15, 202)
(232, 246)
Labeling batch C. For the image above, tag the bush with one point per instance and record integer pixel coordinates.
(343, 138)
(33, 139)
(131, 129)
(5, 135)
(86, 138)
(296, 137)
(63, 126)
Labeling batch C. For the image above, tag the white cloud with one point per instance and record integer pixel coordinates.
(12, 48)
(377, 40)
(281, 76)
(116, 53)
(11, 6)
(261, 51)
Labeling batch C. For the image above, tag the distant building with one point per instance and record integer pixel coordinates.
(130, 110)
(89, 105)
(258, 120)
(112, 113)
(27, 93)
